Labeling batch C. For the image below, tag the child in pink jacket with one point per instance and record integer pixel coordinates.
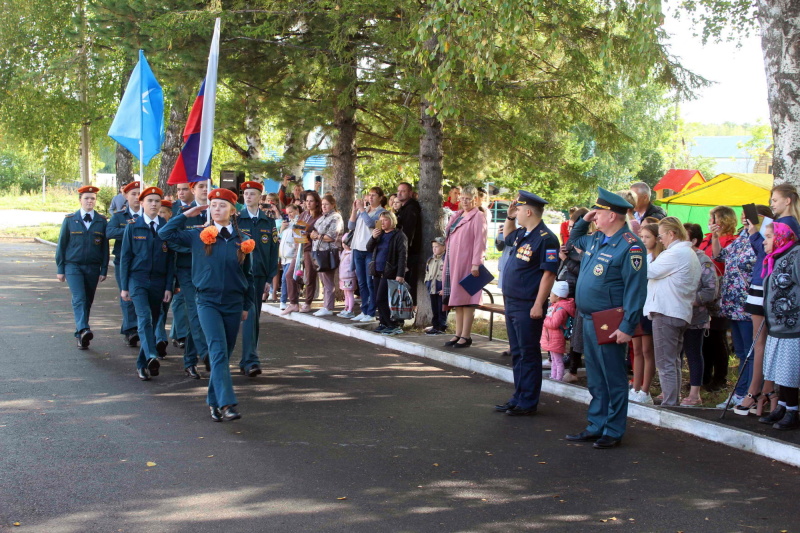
(560, 309)
(347, 279)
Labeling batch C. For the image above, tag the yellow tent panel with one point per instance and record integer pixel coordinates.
(727, 189)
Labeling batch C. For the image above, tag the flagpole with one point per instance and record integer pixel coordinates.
(141, 163)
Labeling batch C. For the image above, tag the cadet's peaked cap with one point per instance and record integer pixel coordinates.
(151, 190)
(88, 188)
(166, 203)
(251, 185)
(528, 198)
(132, 185)
(223, 194)
(609, 201)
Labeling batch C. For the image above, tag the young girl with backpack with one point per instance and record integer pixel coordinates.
(556, 327)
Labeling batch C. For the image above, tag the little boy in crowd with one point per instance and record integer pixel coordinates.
(433, 282)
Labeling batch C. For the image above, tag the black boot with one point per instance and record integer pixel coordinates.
(774, 416)
(791, 420)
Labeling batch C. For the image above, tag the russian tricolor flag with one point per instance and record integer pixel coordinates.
(194, 161)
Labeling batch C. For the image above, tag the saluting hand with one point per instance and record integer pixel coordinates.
(194, 211)
(590, 216)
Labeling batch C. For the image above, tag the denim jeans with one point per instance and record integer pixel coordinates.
(287, 271)
(361, 261)
(742, 334)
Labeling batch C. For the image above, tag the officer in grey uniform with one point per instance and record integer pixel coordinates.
(613, 274)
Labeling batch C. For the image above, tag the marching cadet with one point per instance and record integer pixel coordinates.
(115, 230)
(146, 274)
(528, 279)
(613, 274)
(162, 341)
(222, 275)
(259, 227)
(180, 322)
(195, 347)
(185, 197)
(82, 259)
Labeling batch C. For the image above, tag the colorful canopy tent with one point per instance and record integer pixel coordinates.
(678, 180)
(732, 190)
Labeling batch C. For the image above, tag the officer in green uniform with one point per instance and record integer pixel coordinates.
(115, 230)
(613, 274)
(146, 273)
(82, 259)
(259, 227)
(529, 275)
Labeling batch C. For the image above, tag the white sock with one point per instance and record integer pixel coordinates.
(791, 408)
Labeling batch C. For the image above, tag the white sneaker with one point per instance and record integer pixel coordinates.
(358, 317)
(367, 319)
(323, 312)
(345, 314)
(283, 306)
(644, 398)
(633, 396)
(736, 400)
(569, 378)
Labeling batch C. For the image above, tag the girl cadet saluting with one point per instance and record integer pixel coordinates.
(82, 259)
(147, 271)
(222, 276)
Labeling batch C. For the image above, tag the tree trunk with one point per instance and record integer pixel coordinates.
(343, 155)
(295, 142)
(430, 198)
(173, 139)
(252, 128)
(124, 166)
(780, 34)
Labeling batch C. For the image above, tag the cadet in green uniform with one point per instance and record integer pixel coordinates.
(529, 275)
(162, 340)
(259, 227)
(82, 259)
(115, 230)
(147, 268)
(613, 274)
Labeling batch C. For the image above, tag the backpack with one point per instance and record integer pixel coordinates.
(567, 328)
(400, 303)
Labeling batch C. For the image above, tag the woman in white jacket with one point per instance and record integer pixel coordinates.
(671, 290)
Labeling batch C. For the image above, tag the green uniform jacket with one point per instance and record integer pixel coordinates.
(265, 233)
(82, 246)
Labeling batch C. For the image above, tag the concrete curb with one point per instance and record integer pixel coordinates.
(42, 241)
(665, 418)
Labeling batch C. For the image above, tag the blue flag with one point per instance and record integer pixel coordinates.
(140, 116)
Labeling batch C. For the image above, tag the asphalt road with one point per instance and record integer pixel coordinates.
(336, 436)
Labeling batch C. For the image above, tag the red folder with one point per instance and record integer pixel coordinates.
(607, 322)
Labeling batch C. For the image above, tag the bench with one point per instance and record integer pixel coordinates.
(491, 308)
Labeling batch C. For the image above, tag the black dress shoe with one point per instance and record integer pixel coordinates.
(583, 436)
(80, 344)
(192, 372)
(452, 342)
(179, 343)
(216, 415)
(505, 407)
(132, 339)
(606, 442)
(152, 366)
(253, 371)
(505, 353)
(463, 344)
(86, 337)
(774, 416)
(230, 413)
(518, 411)
(161, 348)
(143, 374)
(207, 364)
(791, 420)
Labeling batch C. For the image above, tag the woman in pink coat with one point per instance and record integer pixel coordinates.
(466, 250)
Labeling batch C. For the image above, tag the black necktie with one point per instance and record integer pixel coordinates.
(225, 233)
(153, 227)
(135, 216)
(203, 215)
(87, 217)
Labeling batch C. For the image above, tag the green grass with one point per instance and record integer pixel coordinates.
(48, 232)
(58, 200)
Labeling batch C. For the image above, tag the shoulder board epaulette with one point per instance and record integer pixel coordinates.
(69, 215)
(628, 236)
(184, 208)
(131, 220)
(543, 233)
(100, 216)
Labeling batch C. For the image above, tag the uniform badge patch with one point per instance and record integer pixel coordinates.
(275, 235)
(524, 252)
(598, 270)
(628, 236)
(264, 238)
(636, 249)
(551, 255)
(163, 246)
(636, 262)
(98, 240)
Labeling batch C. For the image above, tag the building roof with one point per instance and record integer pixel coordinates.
(677, 179)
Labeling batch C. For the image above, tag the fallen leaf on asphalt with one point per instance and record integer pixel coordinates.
(210, 456)
(17, 524)
(150, 463)
(613, 518)
(542, 462)
(342, 498)
(435, 464)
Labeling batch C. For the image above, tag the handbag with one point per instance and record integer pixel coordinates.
(401, 305)
(325, 260)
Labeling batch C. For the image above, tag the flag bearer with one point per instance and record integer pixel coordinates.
(222, 275)
(146, 275)
(82, 259)
(259, 227)
(115, 230)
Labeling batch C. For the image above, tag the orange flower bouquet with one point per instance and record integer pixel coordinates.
(248, 246)
(209, 235)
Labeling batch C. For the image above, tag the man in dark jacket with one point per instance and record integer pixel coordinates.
(644, 208)
(409, 219)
